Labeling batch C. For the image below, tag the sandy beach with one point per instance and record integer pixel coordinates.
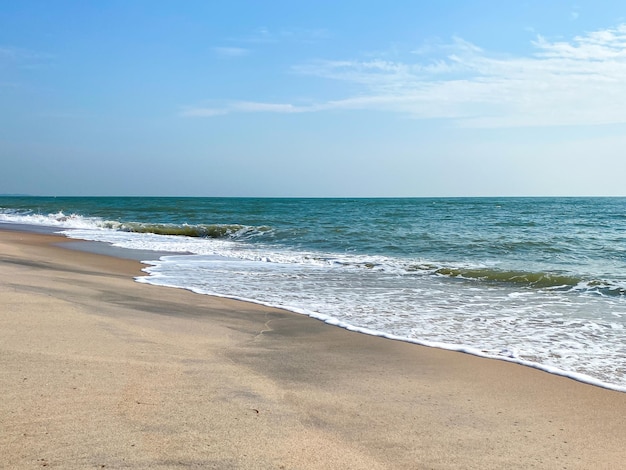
(99, 371)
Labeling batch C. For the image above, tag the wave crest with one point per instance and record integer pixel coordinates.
(232, 231)
(538, 280)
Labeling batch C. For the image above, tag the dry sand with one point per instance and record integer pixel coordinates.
(98, 371)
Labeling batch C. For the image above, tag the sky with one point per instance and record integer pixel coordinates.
(313, 99)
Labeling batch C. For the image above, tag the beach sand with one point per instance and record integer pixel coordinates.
(99, 371)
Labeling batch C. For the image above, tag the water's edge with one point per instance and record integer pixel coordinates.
(448, 347)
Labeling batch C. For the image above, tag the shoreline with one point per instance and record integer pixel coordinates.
(147, 256)
(121, 373)
(462, 349)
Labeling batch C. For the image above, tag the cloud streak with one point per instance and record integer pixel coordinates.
(230, 52)
(264, 35)
(245, 107)
(20, 55)
(577, 82)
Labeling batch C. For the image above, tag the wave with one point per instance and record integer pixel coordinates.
(232, 231)
(58, 219)
(538, 280)
(553, 281)
(75, 221)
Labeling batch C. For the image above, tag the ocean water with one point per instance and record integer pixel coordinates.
(538, 281)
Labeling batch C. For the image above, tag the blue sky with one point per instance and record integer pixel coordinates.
(355, 98)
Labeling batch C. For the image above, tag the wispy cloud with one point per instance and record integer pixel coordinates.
(580, 81)
(244, 107)
(230, 52)
(265, 35)
(21, 55)
(62, 115)
(202, 111)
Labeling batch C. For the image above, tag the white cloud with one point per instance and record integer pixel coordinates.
(577, 82)
(264, 35)
(198, 111)
(243, 107)
(23, 57)
(231, 51)
(251, 107)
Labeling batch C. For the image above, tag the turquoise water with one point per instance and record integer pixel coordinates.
(540, 281)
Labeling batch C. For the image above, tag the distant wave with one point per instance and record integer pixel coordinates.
(539, 280)
(232, 231)
(60, 219)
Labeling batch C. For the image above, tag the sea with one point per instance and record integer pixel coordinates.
(535, 281)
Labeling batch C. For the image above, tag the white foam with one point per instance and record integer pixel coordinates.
(544, 330)
(505, 355)
(59, 219)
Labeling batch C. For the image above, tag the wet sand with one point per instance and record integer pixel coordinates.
(98, 371)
